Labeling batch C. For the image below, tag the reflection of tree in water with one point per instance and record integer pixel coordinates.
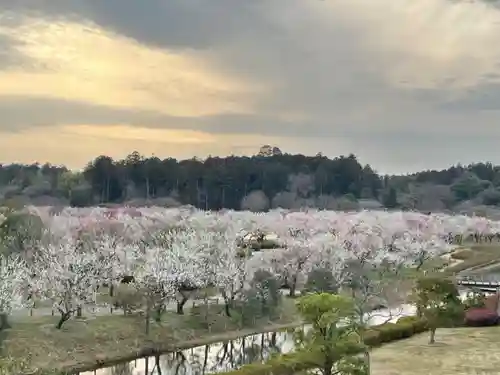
(208, 359)
(250, 349)
(122, 369)
(216, 358)
(173, 364)
(198, 359)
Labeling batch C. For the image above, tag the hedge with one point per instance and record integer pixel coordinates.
(295, 362)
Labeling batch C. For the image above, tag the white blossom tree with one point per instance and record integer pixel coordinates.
(67, 277)
(13, 272)
(186, 262)
(226, 267)
(153, 280)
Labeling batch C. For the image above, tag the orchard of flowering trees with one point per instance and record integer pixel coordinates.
(169, 253)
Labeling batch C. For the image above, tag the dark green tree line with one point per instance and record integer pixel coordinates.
(281, 180)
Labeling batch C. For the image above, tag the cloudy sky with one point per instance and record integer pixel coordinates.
(403, 84)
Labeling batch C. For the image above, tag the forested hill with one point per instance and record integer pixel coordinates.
(254, 183)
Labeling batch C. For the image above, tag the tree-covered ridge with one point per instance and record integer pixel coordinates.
(253, 183)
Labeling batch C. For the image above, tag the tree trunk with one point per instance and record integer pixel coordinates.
(293, 286)
(419, 312)
(64, 317)
(181, 303)
(4, 321)
(367, 361)
(227, 303)
(158, 313)
(79, 311)
(111, 290)
(327, 367)
(432, 338)
(227, 308)
(419, 266)
(148, 311)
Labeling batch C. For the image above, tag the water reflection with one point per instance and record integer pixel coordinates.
(207, 359)
(225, 356)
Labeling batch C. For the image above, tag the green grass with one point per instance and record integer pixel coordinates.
(93, 341)
(457, 351)
(475, 256)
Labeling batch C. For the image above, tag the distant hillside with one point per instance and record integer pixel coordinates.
(253, 183)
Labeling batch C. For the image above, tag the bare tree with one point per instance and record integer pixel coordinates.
(285, 199)
(301, 184)
(256, 201)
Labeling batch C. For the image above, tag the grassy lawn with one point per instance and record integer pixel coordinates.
(474, 255)
(96, 340)
(457, 351)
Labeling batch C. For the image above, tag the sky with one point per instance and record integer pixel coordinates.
(405, 85)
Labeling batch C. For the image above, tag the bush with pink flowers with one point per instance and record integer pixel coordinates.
(480, 317)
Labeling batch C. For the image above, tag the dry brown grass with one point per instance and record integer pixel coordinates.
(458, 351)
(89, 342)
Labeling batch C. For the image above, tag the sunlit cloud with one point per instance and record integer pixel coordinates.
(81, 62)
(75, 146)
(130, 133)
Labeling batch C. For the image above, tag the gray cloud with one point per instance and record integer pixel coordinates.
(20, 113)
(395, 101)
(171, 24)
(48, 112)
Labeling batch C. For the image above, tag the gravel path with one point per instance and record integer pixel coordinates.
(104, 310)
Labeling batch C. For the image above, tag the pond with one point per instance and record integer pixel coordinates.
(218, 357)
(225, 356)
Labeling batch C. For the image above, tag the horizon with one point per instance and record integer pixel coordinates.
(376, 170)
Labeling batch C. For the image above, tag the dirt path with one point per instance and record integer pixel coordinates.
(448, 258)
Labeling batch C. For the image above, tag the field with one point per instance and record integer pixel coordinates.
(458, 351)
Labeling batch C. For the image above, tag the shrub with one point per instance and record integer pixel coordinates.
(405, 327)
(419, 324)
(320, 280)
(266, 287)
(127, 298)
(481, 317)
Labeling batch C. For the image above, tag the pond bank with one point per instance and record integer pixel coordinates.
(160, 349)
(35, 346)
